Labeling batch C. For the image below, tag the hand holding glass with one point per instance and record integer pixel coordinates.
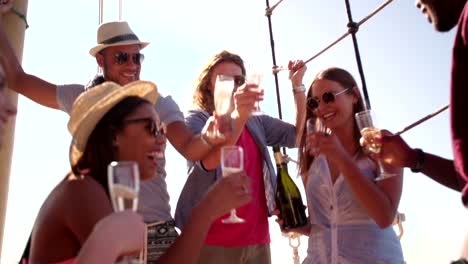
(232, 161)
(315, 125)
(124, 186)
(365, 121)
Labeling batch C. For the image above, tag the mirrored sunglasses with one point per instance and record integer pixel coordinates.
(121, 58)
(151, 126)
(327, 97)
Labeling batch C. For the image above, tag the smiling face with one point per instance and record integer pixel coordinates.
(339, 112)
(141, 139)
(117, 70)
(443, 14)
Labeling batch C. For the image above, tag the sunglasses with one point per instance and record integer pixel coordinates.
(327, 97)
(151, 126)
(239, 80)
(121, 58)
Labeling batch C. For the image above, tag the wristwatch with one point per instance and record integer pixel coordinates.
(419, 160)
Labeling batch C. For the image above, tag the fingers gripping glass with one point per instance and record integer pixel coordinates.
(121, 58)
(327, 97)
(366, 123)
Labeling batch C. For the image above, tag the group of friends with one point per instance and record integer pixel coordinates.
(117, 117)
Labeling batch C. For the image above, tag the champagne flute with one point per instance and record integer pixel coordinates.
(124, 186)
(232, 161)
(224, 88)
(315, 125)
(365, 121)
(255, 77)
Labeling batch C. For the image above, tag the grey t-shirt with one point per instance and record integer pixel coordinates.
(153, 199)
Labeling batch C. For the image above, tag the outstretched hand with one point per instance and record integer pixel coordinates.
(5, 6)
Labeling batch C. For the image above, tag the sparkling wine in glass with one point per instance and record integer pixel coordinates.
(232, 161)
(255, 77)
(365, 121)
(124, 185)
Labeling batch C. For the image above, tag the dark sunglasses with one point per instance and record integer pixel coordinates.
(327, 97)
(121, 58)
(239, 80)
(151, 126)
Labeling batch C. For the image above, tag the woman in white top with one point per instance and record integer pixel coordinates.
(350, 213)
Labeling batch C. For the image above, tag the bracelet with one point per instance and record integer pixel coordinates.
(299, 89)
(204, 141)
(419, 160)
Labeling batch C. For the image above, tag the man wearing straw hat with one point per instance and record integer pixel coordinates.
(118, 55)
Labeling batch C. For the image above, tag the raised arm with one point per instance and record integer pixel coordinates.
(227, 193)
(244, 100)
(397, 152)
(296, 73)
(34, 88)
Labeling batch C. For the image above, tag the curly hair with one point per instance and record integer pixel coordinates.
(202, 97)
(345, 79)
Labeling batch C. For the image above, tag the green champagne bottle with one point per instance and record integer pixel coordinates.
(288, 198)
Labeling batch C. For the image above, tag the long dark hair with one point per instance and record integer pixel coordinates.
(100, 150)
(202, 96)
(345, 79)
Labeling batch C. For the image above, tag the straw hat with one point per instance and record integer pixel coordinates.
(116, 33)
(93, 104)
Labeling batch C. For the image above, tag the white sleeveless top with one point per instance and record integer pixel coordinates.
(342, 232)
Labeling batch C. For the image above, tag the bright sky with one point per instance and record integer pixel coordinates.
(406, 65)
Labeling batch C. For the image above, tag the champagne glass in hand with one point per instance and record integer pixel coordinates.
(255, 78)
(124, 184)
(232, 161)
(223, 91)
(370, 133)
(315, 125)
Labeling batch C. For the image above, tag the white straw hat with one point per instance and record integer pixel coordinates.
(116, 33)
(89, 108)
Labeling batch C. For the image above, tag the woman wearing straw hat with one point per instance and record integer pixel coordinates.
(112, 122)
(118, 54)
